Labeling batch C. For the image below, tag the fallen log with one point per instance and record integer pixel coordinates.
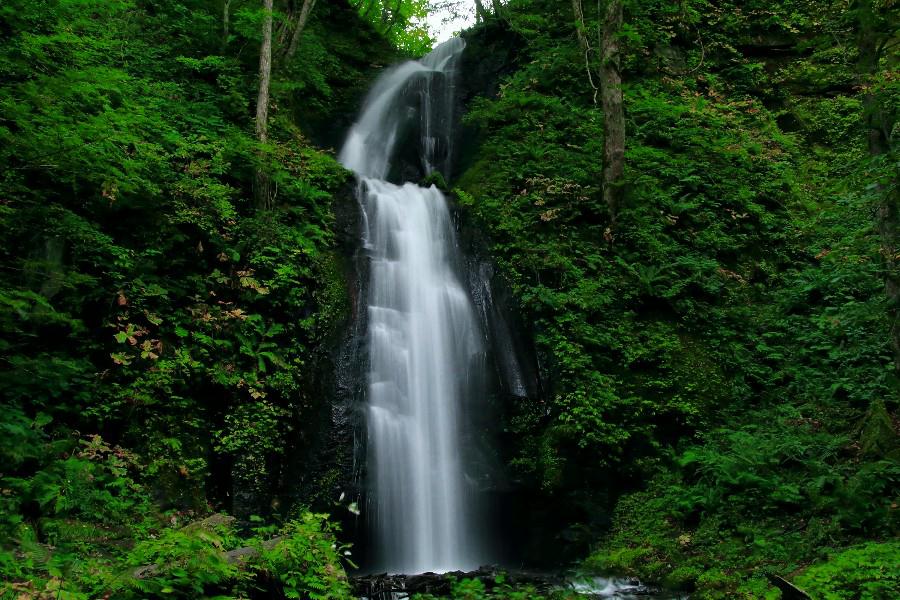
(789, 591)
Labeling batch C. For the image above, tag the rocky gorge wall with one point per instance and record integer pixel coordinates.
(336, 465)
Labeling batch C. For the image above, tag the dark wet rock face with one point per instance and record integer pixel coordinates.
(343, 453)
(334, 463)
(384, 586)
(491, 54)
(325, 464)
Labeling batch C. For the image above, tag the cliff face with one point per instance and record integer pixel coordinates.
(338, 463)
(493, 51)
(611, 353)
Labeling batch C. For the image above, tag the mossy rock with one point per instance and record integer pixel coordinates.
(715, 583)
(877, 436)
(683, 577)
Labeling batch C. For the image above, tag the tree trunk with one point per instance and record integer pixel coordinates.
(302, 18)
(480, 11)
(789, 591)
(579, 25)
(263, 184)
(581, 32)
(226, 22)
(613, 111)
(878, 133)
(498, 8)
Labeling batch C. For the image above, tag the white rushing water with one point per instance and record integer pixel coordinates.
(424, 341)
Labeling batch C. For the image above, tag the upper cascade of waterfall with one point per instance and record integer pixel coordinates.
(412, 89)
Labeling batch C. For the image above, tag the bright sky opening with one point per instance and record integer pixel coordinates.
(443, 24)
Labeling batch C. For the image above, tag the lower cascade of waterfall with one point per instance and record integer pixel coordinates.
(425, 345)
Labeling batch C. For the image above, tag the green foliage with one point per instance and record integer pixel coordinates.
(645, 332)
(866, 572)
(722, 402)
(403, 22)
(160, 339)
(307, 561)
(497, 588)
(751, 496)
(185, 562)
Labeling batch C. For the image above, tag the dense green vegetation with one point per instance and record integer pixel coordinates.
(161, 337)
(721, 365)
(722, 396)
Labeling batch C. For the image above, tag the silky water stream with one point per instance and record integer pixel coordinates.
(424, 341)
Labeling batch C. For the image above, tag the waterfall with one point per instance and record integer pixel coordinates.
(425, 346)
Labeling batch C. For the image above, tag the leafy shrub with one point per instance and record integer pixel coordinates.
(866, 572)
(497, 588)
(306, 559)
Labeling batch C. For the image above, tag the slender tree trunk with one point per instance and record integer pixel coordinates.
(578, 10)
(480, 11)
(613, 110)
(878, 133)
(302, 19)
(581, 32)
(263, 184)
(226, 22)
(498, 8)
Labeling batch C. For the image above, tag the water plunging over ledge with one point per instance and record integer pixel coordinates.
(425, 346)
